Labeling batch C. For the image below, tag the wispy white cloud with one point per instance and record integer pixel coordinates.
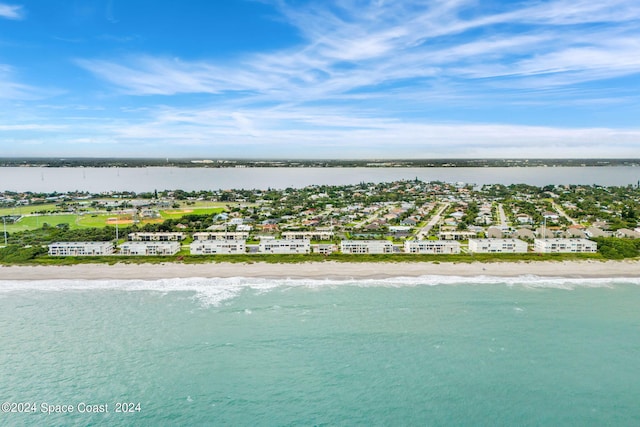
(325, 132)
(12, 89)
(570, 12)
(31, 127)
(162, 76)
(354, 46)
(11, 11)
(316, 132)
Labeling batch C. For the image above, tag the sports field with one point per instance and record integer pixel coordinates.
(30, 222)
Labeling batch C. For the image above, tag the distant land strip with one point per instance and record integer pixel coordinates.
(305, 163)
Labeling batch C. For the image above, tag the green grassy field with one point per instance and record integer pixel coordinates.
(101, 220)
(74, 221)
(34, 222)
(188, 210)
(26, 210)
(94, 220)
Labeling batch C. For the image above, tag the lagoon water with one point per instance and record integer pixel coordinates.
(403, 351)
(39, 179)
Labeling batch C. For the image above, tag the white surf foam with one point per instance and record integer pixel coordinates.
(215, 291)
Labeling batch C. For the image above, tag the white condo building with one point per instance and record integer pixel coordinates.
(282, 246)
(311, 235)
(324, 249)
(366, 247)
(149, 248)
(564, 245)
(223, 235)
(431, 247)
(223, 247)
(156, 237)
(457, 235)
(505, 246)
(80, 248)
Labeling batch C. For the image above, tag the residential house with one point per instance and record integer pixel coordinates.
(627, 233)
(494, 233)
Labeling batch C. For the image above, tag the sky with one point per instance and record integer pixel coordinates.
(320, 79)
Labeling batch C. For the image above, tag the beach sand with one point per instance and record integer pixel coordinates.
(320, 270)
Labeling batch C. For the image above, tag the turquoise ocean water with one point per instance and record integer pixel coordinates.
(404, 351)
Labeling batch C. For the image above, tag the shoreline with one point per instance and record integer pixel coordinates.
(324, 270)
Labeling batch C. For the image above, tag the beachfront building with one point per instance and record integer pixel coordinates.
(324, 248)
(366, 247)
(222, 235)
(505, 246)
(431, 247)
(223, 247)
(149, 248)
(282, 246)
(80, 248)
(310, 235)
(156, 237)
(565, 245)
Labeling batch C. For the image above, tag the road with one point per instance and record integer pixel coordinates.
(424, 231)
(562, 213)
(503, 217)
(369, 219)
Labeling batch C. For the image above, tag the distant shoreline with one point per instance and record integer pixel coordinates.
(324, 270)
(200, 162)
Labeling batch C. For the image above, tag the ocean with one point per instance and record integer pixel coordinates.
(431, 350)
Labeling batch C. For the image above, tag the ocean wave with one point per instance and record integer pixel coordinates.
(215, 291)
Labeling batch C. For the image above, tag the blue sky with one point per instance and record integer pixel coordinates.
(320, 79)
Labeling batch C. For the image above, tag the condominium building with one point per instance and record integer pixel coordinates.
(324, 249)
(564, 245)
(282, 246)
(222, 235)
(497, 246)
(366, 247)
(210, 247)
(156, 237)
(310, 235)
(149, 248)
(80, 248)
(431, 247)
(457, 235)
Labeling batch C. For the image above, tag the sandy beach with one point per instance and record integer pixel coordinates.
(317, 270)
